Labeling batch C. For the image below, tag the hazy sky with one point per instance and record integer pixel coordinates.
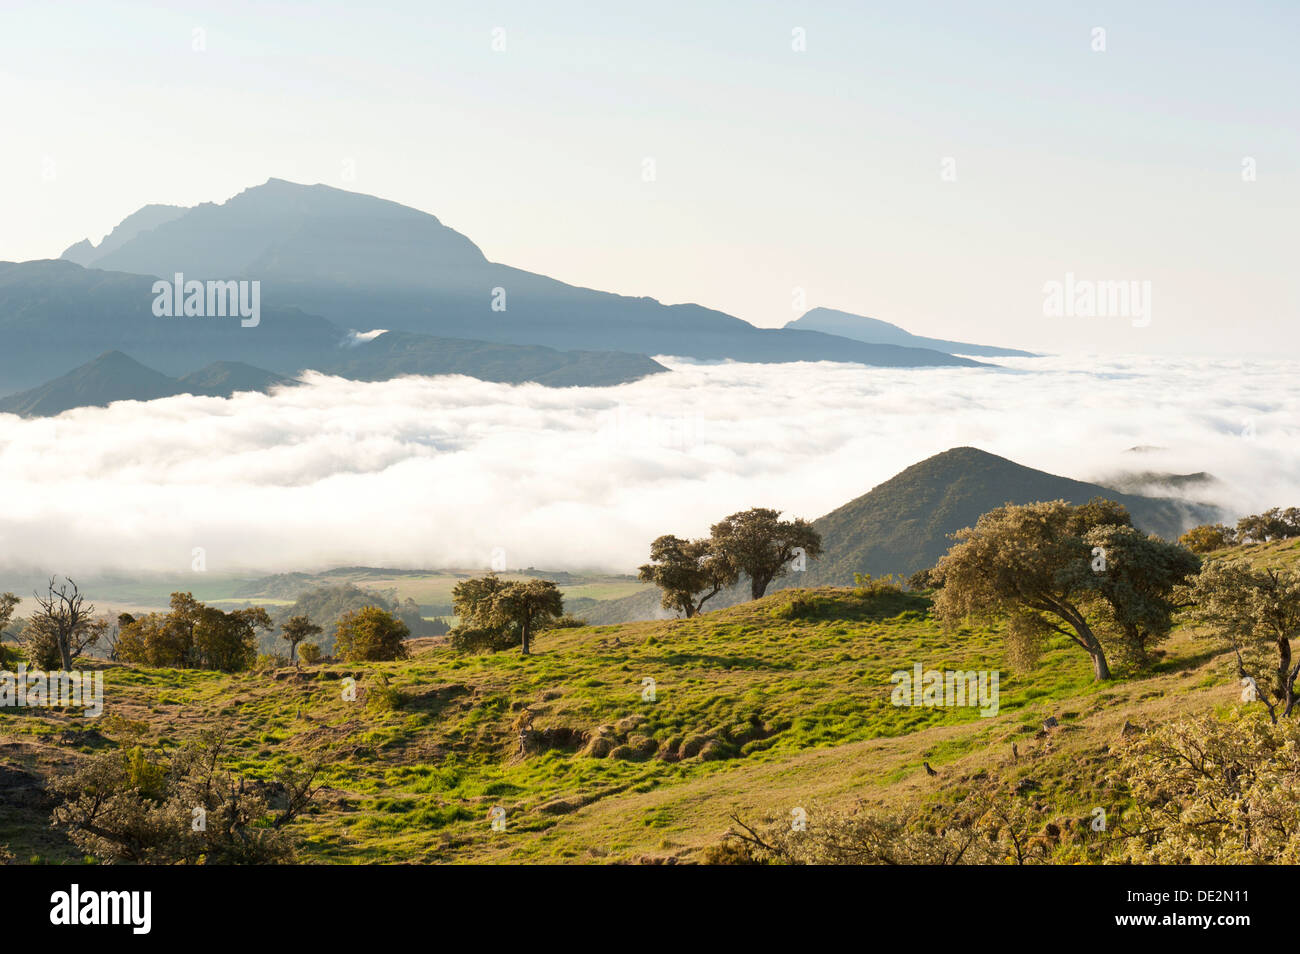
(775, 169)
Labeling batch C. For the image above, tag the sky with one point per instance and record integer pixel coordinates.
(440, 472)
(932, 164)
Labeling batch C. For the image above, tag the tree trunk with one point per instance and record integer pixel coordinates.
(524, 628)
(1087, 639)
(757, 588)
(1100, 670)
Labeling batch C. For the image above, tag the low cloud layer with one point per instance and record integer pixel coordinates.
(437, 472)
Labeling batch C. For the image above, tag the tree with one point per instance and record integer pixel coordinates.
(371, 634)
(1137, 579)
(527, 606)
(228, 641)
(761, 545)
(63, 627)
(1209, 537)
(1032, 563)
(497, 614)
(1273, 524)
(295, 630)
(1258, 612)
(192, 636)
(684, 568)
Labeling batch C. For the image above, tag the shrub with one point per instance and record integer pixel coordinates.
(309, 653)
(371, 635)
(1211, 791)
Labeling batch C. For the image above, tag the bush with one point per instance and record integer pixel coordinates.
(129, 805)
(477, 639)
(371, 635)
(382, 697)
(309, 653)
(1208, 537)
(567, 621)
(1213, 791)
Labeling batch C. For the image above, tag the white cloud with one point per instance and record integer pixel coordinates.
(428, 472)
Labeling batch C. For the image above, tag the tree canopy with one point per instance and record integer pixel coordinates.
(1080, 571)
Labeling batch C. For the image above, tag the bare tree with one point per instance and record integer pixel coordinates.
(64, 626)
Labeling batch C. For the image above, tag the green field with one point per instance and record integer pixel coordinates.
(761, 708)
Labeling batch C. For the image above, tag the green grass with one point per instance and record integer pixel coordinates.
(779, 702)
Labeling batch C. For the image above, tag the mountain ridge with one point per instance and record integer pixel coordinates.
(343, 255)
(876, 331)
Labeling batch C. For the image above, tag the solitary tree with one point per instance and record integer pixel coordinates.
(1036, 564)
(371, 634)
(685, 568)
(1258, 612)
(295, 630)
(62, 628)
(761, 545)
(497, 613)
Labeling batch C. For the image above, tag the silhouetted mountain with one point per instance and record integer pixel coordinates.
(151, 216)
(110, 377)
(55, 313)
(114, 376)
(903, 524)
(361, 261)
(873, 330)
(224, 378)
(395, 353)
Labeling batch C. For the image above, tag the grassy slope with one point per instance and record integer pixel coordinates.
(797, 706)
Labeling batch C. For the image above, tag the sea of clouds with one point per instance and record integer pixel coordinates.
(440, 472)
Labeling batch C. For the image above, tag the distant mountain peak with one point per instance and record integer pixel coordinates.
(832, 321)
(142, 220)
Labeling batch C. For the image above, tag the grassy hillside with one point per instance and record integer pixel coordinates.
(778, 703)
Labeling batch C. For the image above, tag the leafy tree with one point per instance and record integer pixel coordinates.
(527, 606)
(371, 634)
(1258, 612)
(498, 614)
(761, 545)
(1209, 537)
(1033, 563)
(295, 630)
(1273, 524)
(8, 603)
(1137, 579)
(228, 641)
(193, 636)
(685, 568)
